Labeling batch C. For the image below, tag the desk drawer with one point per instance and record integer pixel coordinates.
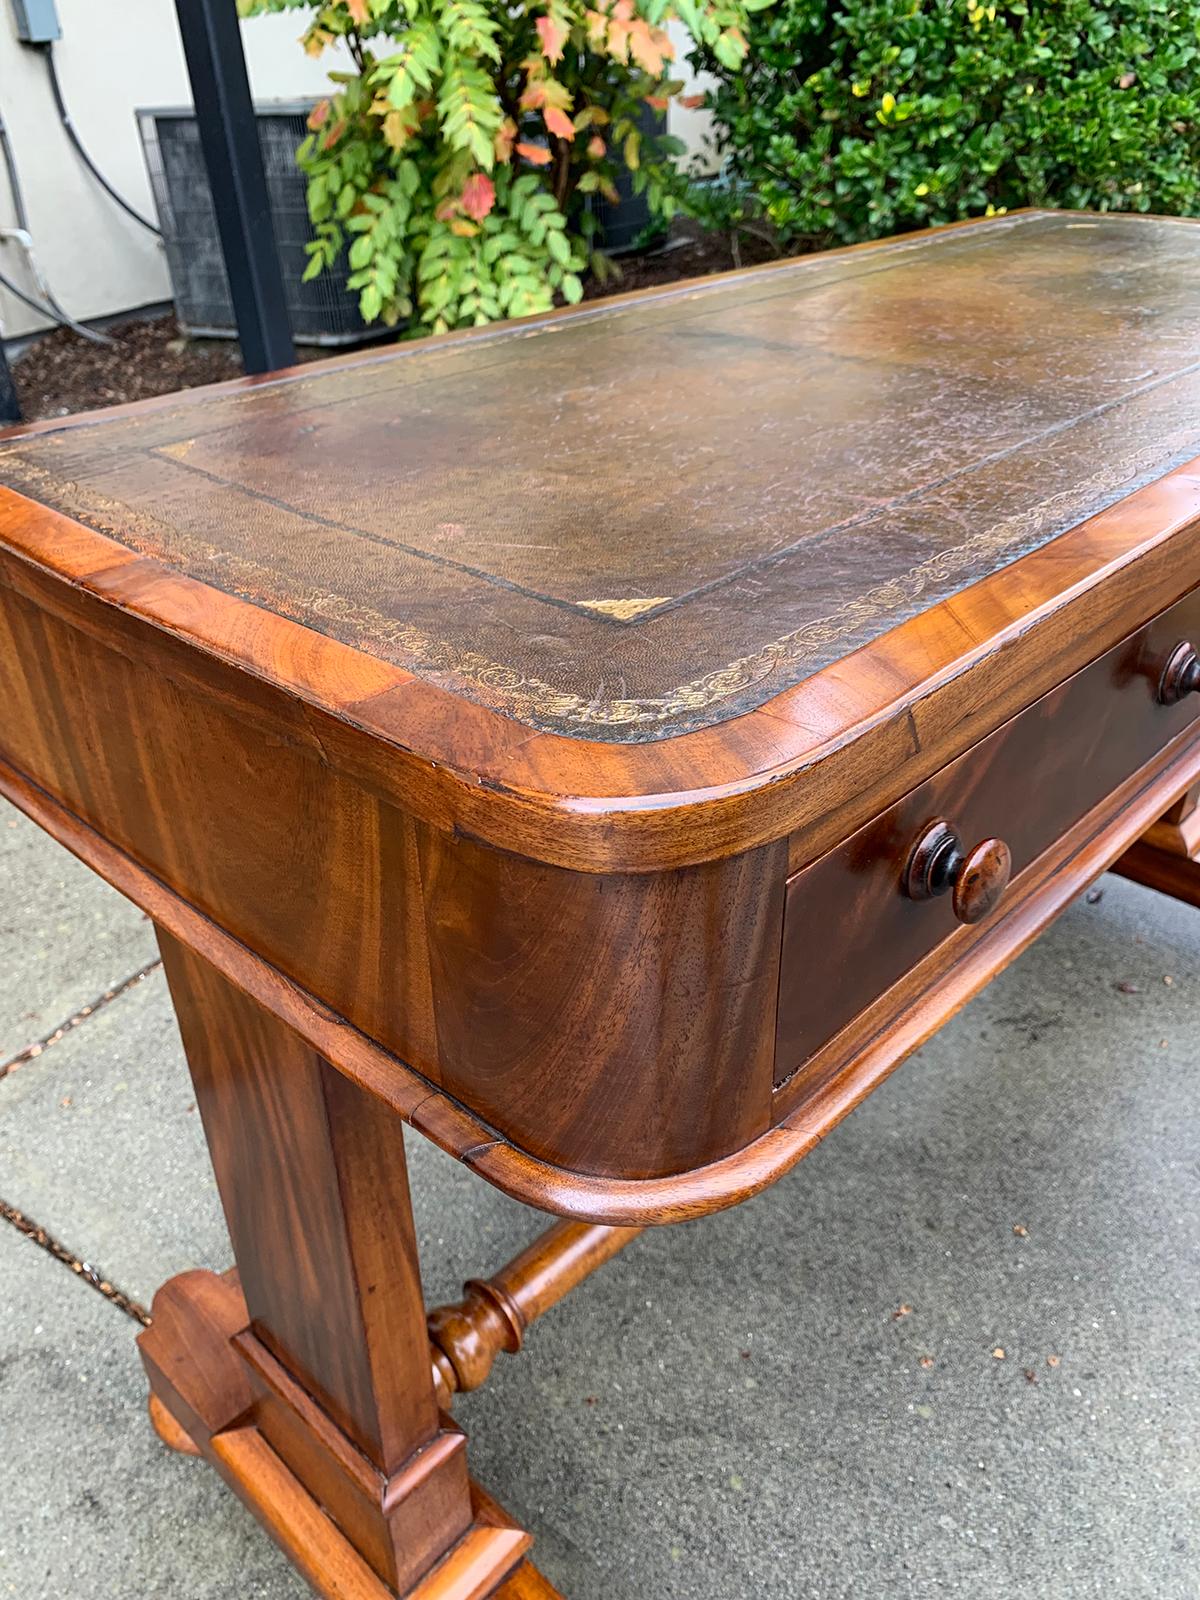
(853, 928)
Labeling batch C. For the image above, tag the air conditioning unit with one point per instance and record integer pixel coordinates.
(322, 312)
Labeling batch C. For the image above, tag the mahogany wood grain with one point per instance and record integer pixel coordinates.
(210, 803)
(955, 972)
(612, 1024)
(573, 943)
(494, 1315)
(494, 977)
(814, 762)
(837, 1077)
(560, 958)
(312, 1177)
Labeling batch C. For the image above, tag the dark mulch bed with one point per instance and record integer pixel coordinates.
(62, 372)
(692, 253)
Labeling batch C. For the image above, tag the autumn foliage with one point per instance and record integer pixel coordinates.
(452, 161)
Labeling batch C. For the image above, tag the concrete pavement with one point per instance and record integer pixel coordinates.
(954, 1352)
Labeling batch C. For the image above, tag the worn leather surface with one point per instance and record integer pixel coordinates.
(643, 519)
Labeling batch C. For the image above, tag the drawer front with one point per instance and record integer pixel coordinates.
(850, 928)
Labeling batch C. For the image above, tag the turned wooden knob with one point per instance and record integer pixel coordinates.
(1180, 676)
(975, 879)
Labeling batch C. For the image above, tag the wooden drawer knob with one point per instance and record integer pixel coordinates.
(941, 864)
(1180, 676)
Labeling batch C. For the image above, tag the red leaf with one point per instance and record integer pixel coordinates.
(596, 147)
(536, 153)
(553, 37)
(478, 196)
(559, 122)
(319, 115)
(360, 12)
(692, 102)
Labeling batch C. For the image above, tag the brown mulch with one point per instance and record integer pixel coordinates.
(692, 253)
(62, 373)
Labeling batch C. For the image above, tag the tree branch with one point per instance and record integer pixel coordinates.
(560, 150)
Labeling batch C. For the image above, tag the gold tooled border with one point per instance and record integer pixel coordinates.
(530, 699)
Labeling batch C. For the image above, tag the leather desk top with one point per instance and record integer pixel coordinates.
(665, 521)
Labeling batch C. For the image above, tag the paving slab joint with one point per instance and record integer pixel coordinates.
(32, 1051)
(83, 1269)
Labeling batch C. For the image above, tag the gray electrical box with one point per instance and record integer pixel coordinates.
(37, 21)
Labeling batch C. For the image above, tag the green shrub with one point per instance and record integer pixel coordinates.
(868, 117)
(450, 165)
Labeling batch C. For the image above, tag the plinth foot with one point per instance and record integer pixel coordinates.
(203, 1403)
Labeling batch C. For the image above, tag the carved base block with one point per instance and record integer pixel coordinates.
(205, 1397)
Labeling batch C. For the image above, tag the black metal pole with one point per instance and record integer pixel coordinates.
(10, 406)
(212, 44)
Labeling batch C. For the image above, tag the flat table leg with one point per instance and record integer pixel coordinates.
(305, 1377)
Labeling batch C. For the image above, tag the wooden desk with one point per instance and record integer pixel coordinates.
(608, 744)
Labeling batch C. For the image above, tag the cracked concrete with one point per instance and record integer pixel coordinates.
(797, 1400)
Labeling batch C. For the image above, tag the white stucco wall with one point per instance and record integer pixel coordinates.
(694, 127)
(115, 56)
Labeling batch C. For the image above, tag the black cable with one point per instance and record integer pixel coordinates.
(14, 183)
(48, 305)
(19, 294)
(65, 118)
(10, 400)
